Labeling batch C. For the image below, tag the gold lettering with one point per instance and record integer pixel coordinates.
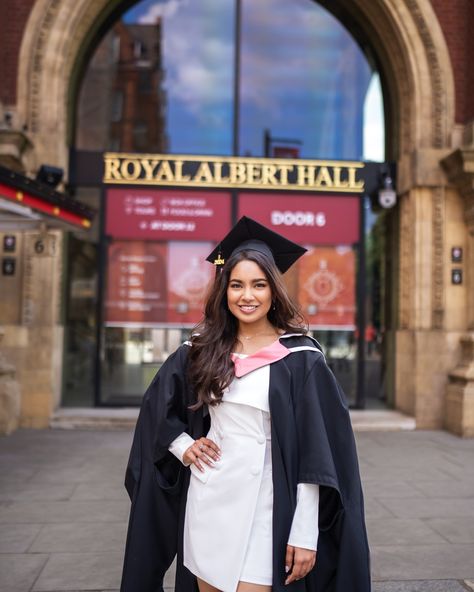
(112, 169)
(269, 174)
(305, 175)
(338, 182)
(149, 167)
(237, 173)
(165, 173)
(203, 174)
(178, 172)
(254, 174)
(323, 178)
(134, 173)
(218, 173)
(284, 169)
(353, 183)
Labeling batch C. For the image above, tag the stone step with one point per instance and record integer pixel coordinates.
(69, 418)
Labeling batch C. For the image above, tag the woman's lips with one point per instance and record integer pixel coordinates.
(247, 309)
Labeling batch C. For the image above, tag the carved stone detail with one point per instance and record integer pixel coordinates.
(406, 259)
(438, 257)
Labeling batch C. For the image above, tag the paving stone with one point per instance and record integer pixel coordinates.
(449, 488)
(419, 586)
(80, 538)
(80, 571)
(64, 511)
(392, 488)
(10, 491)
(399, 531)
(98, 491)
(422, 562)
(429, 507)
(373, 509)
(17, 538)
(18, 572)
(455, 530)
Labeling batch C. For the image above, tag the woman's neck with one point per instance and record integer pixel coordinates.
(251, 338)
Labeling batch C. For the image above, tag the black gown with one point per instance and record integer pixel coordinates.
(312, 442)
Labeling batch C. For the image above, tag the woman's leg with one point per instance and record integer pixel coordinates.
(248, 587)
(205, 587)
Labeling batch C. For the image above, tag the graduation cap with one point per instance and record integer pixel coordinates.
(250, 235)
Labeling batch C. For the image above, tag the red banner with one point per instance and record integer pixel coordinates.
(189, 275)
(326, 279)
(167, 214)
(136, 282)
(305, 219)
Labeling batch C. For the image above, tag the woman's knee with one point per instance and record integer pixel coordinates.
(248, 587)
(205, 587)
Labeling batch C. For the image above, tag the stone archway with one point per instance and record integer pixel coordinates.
(413, 57)
(412, 53)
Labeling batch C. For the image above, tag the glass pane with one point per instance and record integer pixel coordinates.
(161, 80)
(80, 334)
(131, 358)
(304, 79)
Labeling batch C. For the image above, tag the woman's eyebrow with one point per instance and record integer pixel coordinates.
(253, 280)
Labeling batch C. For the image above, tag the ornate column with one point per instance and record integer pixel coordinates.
(459, 166)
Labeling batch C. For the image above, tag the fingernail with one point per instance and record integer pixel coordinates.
(287, 569)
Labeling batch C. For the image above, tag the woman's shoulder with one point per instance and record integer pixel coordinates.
(300, 342)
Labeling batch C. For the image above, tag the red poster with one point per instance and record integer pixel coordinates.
(189, 275)
(326, 279)
(286, 152)
(310, 219)
(136, 282)
(167, 214)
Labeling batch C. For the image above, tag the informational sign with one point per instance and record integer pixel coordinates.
(167, 215)
(189, 275)
(326, 280)
(322, 220)
(136, 282)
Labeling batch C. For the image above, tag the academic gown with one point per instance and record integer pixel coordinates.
(312, 442)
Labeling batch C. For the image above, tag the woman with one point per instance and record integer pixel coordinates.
(251, 407)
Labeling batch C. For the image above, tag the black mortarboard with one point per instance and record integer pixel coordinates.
(250, 235)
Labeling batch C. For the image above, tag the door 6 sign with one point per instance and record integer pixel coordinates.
(305, 219)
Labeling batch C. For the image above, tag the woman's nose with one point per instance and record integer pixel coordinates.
(247, 294)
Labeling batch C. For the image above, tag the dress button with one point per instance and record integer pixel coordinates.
(261, 439)
(254, 470)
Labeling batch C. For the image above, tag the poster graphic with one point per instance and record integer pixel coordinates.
(136, 282)
(327, 287)
(189, 275)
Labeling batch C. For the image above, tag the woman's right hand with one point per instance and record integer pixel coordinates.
(203, 450)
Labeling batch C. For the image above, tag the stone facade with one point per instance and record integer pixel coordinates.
(424, 50)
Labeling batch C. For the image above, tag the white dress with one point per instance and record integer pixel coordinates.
(228, 521)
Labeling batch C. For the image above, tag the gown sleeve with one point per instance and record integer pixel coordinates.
(154, 478)
(304, 528)
(179, 446)
(328, 457)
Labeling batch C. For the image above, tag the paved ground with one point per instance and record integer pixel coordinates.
(63, 510)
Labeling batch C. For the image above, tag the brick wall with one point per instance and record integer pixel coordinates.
(14, 14)
(457, 21)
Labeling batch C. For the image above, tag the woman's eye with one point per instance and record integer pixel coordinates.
(261, 285)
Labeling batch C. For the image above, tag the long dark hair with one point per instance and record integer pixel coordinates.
(211, 368)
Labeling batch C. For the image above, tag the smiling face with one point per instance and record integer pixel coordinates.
(249, 296)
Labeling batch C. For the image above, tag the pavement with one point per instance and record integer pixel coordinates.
(63, 510)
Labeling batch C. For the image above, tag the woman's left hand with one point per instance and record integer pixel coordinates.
(298, 563)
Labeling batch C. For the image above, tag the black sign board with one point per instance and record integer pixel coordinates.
(8, 266)
(9, 243)
(456, 276)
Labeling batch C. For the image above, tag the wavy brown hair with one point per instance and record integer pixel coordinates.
(211, 368)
